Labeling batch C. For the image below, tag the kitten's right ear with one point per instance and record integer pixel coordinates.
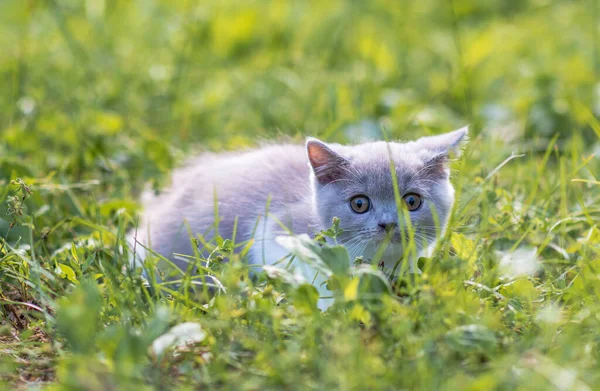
(446, 143)
(326, 164)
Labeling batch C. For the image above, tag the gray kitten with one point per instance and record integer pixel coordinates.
(302, 188)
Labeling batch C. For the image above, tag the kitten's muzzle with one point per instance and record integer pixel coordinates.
(390, 230)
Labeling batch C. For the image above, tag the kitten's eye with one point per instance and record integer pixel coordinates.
(413, 201)
(360, 204)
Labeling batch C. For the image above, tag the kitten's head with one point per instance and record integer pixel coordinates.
(354, 183)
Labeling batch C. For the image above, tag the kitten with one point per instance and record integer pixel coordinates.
(303, 188)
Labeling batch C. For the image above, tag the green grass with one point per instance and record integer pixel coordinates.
(101, 97)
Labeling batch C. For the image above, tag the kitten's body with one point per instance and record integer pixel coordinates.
(278, 182)
(230, 181)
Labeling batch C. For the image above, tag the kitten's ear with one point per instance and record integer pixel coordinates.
(326, 164)
(446, 144)
(440, 148)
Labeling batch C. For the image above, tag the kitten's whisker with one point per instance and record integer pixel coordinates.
(351, 242)
(426, 229)
(358, 250)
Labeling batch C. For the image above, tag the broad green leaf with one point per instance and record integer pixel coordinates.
(67, 272)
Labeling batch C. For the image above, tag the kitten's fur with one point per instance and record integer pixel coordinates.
(304, 188)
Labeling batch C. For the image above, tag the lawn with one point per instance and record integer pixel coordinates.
(101, 98)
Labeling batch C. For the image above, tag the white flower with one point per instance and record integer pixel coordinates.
(521, 262)
(179, 336)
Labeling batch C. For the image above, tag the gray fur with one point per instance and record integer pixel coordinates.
(302, 197)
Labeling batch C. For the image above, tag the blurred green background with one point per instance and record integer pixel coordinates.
(104, 84)
(98, 98)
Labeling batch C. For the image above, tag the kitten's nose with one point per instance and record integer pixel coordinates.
(387, 225)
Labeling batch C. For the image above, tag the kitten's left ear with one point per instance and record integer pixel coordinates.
(446, 144)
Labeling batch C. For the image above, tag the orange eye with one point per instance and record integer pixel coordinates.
(360, 204)
(413, 201)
